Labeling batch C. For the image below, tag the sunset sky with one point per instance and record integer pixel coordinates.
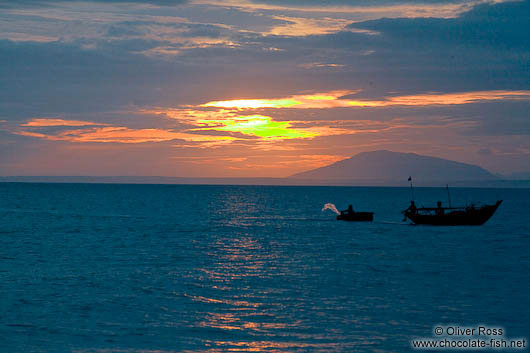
(254, 88)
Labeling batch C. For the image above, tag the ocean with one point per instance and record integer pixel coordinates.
(178, 268)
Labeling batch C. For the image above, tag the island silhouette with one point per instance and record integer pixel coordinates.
(387, 166)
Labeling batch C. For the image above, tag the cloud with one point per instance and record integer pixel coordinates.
(485, 152)
(316, 77)
(338, 99)
(362, 10)
(46, 122)
(351, 3)
(447, 98)
(256, 125)
(300, 26)
(120, 134)
(490, 26)
(18, 3)
(204, 131)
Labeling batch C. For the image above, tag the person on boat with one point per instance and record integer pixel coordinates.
(412, 208)
(350, 209)
(439, 209)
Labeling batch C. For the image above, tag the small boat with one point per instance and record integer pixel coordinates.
(351, 215)
(450, 216)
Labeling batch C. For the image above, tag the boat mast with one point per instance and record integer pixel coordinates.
(411, 188)
(448, 195)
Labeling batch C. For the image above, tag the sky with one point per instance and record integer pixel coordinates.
(259, 88)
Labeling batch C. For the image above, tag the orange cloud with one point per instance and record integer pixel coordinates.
(123, 135)
(44, 122)
(452, 98)
(258, 131)
(300, 26)
(333, 100)
(318, 100)
(248, 127)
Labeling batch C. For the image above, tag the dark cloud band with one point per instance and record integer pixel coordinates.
(18, 3)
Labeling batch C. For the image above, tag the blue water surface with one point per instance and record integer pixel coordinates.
(141, 268)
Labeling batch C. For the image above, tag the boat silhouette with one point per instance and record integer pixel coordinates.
(450, 216)
(352, 216)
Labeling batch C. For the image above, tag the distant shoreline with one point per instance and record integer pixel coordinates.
(500, 183)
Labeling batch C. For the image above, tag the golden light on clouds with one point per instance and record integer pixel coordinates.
(318, 100)
(257, 125)
(454, 98)
(221, 122)
(333, 99)
(248, 127)
(253, 103)
(301, 26)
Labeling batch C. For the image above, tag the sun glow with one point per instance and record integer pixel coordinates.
(252, 103)
(256, 125)
(337, 99)
(303, 101)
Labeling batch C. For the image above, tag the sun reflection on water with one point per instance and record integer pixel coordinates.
(247, 300)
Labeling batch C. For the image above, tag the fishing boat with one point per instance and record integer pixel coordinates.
(350, 215)
(451, 216)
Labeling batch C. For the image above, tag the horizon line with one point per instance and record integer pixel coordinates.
(260, 181)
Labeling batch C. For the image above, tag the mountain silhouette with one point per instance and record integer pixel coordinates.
(386, 165)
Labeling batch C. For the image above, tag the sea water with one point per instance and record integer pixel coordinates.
(104, 268)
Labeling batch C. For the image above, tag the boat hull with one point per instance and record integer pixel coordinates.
(356, 217)
(465, 217)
